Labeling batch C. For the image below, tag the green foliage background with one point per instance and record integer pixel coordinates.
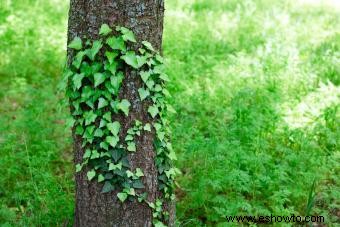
(256, 89)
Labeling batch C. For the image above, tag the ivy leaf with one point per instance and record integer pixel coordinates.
(116, 43)
(164, 77)
(116, 82)
(124, 106)
(96, 46)
(98, 78)
(75, 44)
(141, 60)
(116, 155)
(147, 127)
(111, 67)
(159, 224)
(107, 116)
(131, 146)
(108, 187)
(128, 138)
(104, 29)
(104, 145)
(158, 88)
(79, 130)
(148, 45)
(145, 76)
(111, 56)
(114, 127)
(138, 184)
(87, 154)
(78, 59)
(102, 123)
(95, 154)
(129, 173)
(102, 103)
(112, 140)
(172, 155)
(89, 117)
(122, 196)
(131, 191)
(153, 110)
(77, 78)
(101, 178)
(78, 168)
(139, 172)
(143, 94)
(98, 133)
(130, 58)
(150, 84)
(115, 166)
(91, 174)
(127, 34)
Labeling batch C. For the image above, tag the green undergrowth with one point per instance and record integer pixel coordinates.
(255, 87)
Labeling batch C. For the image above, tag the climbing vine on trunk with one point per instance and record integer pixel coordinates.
(95, 75)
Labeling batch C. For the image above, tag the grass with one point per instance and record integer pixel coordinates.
(256, 89)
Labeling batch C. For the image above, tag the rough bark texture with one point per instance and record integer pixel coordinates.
(145, 18)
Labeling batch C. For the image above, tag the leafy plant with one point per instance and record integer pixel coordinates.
(94, 84)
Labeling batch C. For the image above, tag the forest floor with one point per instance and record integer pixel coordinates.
(256, 87)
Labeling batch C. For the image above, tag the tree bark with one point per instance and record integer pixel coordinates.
(145, 19)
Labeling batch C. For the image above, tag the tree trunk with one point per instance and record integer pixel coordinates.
(145, 19)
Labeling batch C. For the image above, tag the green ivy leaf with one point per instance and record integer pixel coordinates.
(104, 145)
(147, 127)
(172, 155)
(148, 45)
(164, 77)
(101, 178)
(89, 117)
(122, 196)
(129, 173)
(116, 43)
(138, 184)
(95, 154)
(77, 78)
(139, 173)
(131, 146)
(91, 174)
(116, 82)
(87, 154)
(145, 76)
(78, 59)
(124, 106)
(127, 34)
(150, 84)
(114, 127)
(115, 166)
(78, 168)
(105, 29)
(112, 140)
(108, 187)
(111, 56)
(143, 93)
(107, 116)
(141, 60)
(111, 67)
(98, 79)
(102, 103)
(153, 110)
(75, 44)
(128, 138)
(130, 58)
(98, 133)
(96, 46)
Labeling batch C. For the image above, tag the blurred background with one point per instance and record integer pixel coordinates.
(256, 87)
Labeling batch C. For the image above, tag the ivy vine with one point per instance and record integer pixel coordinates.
(95, 75)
